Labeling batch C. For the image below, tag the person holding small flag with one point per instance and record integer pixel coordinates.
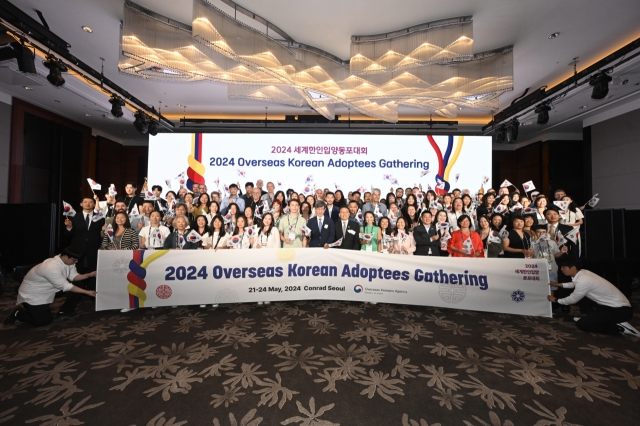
(159, 204)
(85, 234)
(177, 240)
(153, 236)
(123, 237)
(465, 242)
(347, 231)
(268, 235)
(243, 241)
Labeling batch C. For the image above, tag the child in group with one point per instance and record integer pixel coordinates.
(545, 248)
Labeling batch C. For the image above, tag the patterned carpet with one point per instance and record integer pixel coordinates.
(314, 364)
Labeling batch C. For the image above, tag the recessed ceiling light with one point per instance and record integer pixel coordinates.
(28, 88)
(88, 115)
(553, 35)
(87, 29)
(583, 107)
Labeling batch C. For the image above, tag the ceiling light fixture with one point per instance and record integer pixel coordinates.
(500, 134)
(141, 124)
(600, 83)
(87, 29)
(153, 127)
(543, 113)
(56, 68)
(116, 106)
(583, 107)
(88, 115)
(553, 35)
(28, 88)
(22, 54)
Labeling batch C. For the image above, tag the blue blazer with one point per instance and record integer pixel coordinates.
(320, 237)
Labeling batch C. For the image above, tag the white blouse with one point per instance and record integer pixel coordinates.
(221, 241)
(268, 241)
(151, 239)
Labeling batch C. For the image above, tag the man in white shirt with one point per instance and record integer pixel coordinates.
(39, 287)
(610, 309)
(271, 193)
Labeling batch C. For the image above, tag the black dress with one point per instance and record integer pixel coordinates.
(517, 242)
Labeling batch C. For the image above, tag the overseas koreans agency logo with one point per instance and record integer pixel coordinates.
(517, 296)
(358, 288)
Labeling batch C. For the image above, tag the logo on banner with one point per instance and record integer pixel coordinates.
(452, 293)
(121, 266)
(517, 296)
(227, 296)
(285, 255)
(163, 291)
(358, 288)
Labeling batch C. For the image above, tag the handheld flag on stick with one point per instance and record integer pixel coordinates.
(366, 237)
(168, 183)
(97, 215)
(94, 185)
(234, 241)
(67, 210)
(135, 213)
(528, 186)
(467, 245)
(148, 195)
(516, 207)
(506, 183)
(306, 231)
(593, 201)
(337, 243)
(194, 237)
(572, 235)
(112, 190)
(181, 241)
(500, 208)
(442, 225)
(424, 173)
(109, 231)
(494, 237)
(251, 231)
(504, 233)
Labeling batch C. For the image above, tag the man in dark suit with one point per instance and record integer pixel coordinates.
(427, 239)
(85, 235)
(348, 230)
(323, 231)
(332, 212)
(555, 229)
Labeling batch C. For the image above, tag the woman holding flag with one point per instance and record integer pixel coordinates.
(239, 239)
(403, 242)
(268, 236)
(464, 242)
(177, 240)
(152, 237)
(120, 236)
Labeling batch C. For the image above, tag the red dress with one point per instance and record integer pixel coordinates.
(457, 239)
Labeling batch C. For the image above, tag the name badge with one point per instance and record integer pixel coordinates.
(326, 226)
(351, 231)
(292, 235)
(369, 248)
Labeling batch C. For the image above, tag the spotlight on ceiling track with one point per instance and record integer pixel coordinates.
(500, 134)
(21, 53)
(600, 83)
(153, 127)
(56, 68)
(116, 106)
(511, 131)
(543, 113)
(141, 124)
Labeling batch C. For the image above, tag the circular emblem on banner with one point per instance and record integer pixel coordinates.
(452, 293)
(358, 288)
(163, 292)
(227, 296)
(285, 255)
(120, 266)
(517, 296)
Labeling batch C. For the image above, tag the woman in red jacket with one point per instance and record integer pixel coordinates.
(456, 243)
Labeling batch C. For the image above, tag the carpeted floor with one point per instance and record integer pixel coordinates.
(315, 364)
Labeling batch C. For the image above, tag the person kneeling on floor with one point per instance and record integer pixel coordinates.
(609, 310)
(39, 287)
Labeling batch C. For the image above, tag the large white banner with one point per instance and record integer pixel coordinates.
(165, 278)
(298, 161)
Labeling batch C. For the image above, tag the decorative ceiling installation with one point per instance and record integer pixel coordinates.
(432, 66)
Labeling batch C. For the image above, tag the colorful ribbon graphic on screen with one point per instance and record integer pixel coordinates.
(136, 276)
(196, 169)
(446, 163)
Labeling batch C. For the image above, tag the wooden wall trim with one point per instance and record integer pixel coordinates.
(16, 162)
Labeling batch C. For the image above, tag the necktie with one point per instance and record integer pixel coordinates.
(344, 229)
(552, 230)
(86, 220)
(320, 222)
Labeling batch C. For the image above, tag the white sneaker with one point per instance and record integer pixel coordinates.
(127, 309)
(629, 329)
(214, 305)
(260, 303)
(203, 306)
(576, 319)
(267, 303)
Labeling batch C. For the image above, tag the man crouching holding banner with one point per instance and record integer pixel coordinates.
(39, 288)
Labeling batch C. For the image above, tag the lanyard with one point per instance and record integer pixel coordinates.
(295, 225)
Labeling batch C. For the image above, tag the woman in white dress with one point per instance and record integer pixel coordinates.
(268, 236)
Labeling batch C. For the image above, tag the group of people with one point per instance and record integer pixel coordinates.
(489, 224)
